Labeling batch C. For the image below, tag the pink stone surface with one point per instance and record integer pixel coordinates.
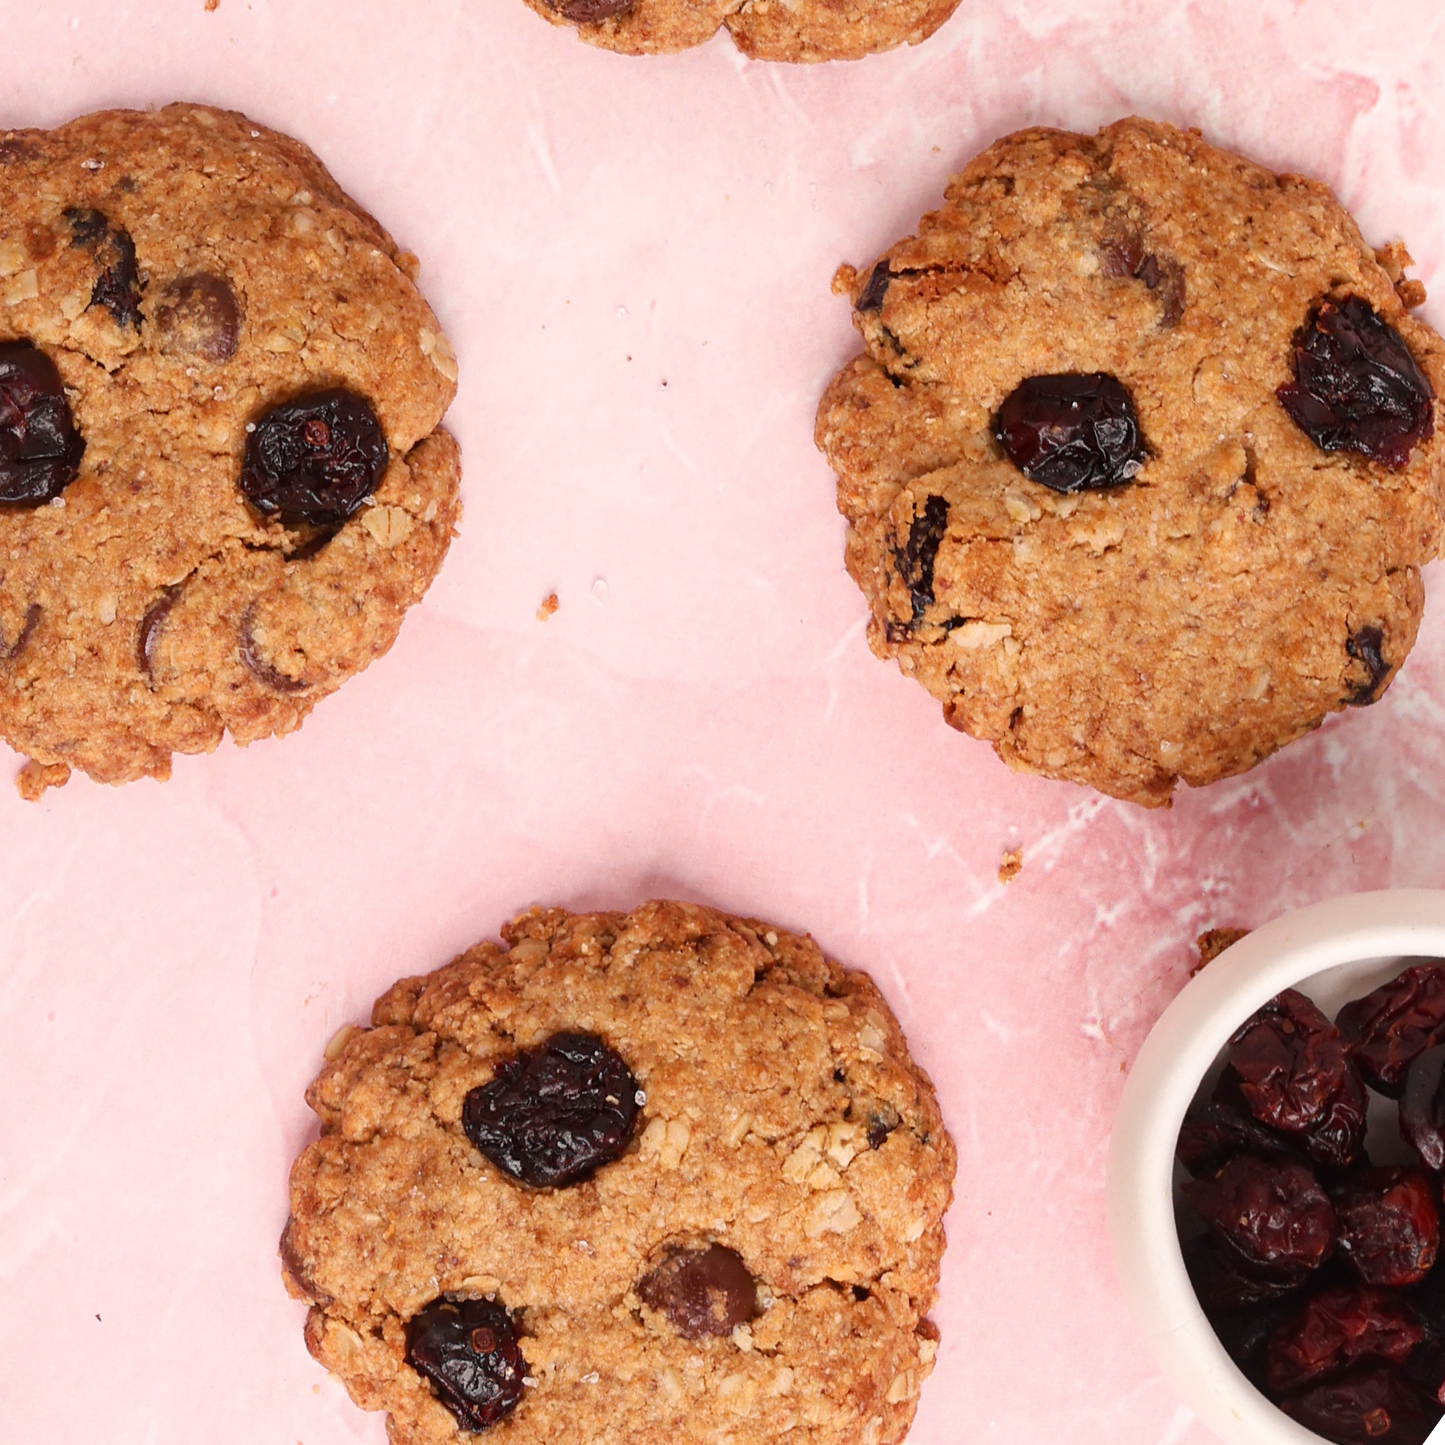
(633, 261)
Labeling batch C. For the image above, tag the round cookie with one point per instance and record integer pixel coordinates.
(756, 1255)
(185, 272)
(1216, 581)
(792, 30)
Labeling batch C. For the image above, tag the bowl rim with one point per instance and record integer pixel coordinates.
(1162, 1081)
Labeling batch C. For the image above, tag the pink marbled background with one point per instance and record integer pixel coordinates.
(632, 259)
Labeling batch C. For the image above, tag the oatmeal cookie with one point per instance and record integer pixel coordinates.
(794, 30)
(650, 1177)
(222, 480)
(1140, 462)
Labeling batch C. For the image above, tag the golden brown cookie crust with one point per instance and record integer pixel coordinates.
(788, 30)
(764, 1066)
(1186, 625)
(166, 611)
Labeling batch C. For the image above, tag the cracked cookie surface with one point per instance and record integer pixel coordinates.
(187, 271)
(1234, 587)
(790, 30)
(782, 1122)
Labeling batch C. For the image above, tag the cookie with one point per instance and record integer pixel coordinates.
(659, 1176)
(222, 479)
(793, 30)
(1141, 460)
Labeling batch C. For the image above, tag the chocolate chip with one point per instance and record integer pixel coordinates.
(1357, 387)
(1072, 432)
(257, 665)
(1366, 646)
(150, 628)
(877, 287)
(916, 558)
(314, 461)
(198, 317)
(589, 12)
(118, 286)
(467, 1349)
(10, 651)
(295, 1267)
(552, 1116)
(701, 1291)
(40, 449)
(1124, 257)
(878, 1130)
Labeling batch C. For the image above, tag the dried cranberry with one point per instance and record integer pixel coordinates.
(1213, 1133)
(40, 449)
(313, 461)
(589, 12)
(1072, 432)
(1290, 1062)
(1422, 1110)
(1389, 1225)
(1389, 1028)
(118, 287)
(1366, 1407)
(468, 1349)
(1356, 386)
(1226, 1284)
(1245, 1333)
(701, 1291)
(1272, 1212)
(1336, 1330)
(871, 298)
(1337, 1136)
(198, 317)
(915, 560)
(554, 1115)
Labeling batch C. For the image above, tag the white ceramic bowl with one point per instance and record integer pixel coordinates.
(1331, 951)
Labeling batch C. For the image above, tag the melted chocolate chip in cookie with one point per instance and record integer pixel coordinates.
(118, 286)
(701, 1291)
(1072, 432)
(589, 12)
(198, 317)
(916, 558)
(552, 1116)
(1366, 647)
(314, 461)
(871, 297)
(1356, 386)
(468, 1349)
(40, 449)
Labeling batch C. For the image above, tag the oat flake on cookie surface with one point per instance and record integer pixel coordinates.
(745, 1249)
(222, 476)
(1141, 461)
(789, 30)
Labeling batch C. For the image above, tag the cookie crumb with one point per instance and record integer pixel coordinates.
(1212, 942)
(34, 778)
(1010, 864)
(548, 608)
(213, 4)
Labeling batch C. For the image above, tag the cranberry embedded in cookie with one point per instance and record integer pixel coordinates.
(313, 461)
(468, 1351)
(553, 1116)
(1356, 386)
(1072, 433)
(40, 449)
